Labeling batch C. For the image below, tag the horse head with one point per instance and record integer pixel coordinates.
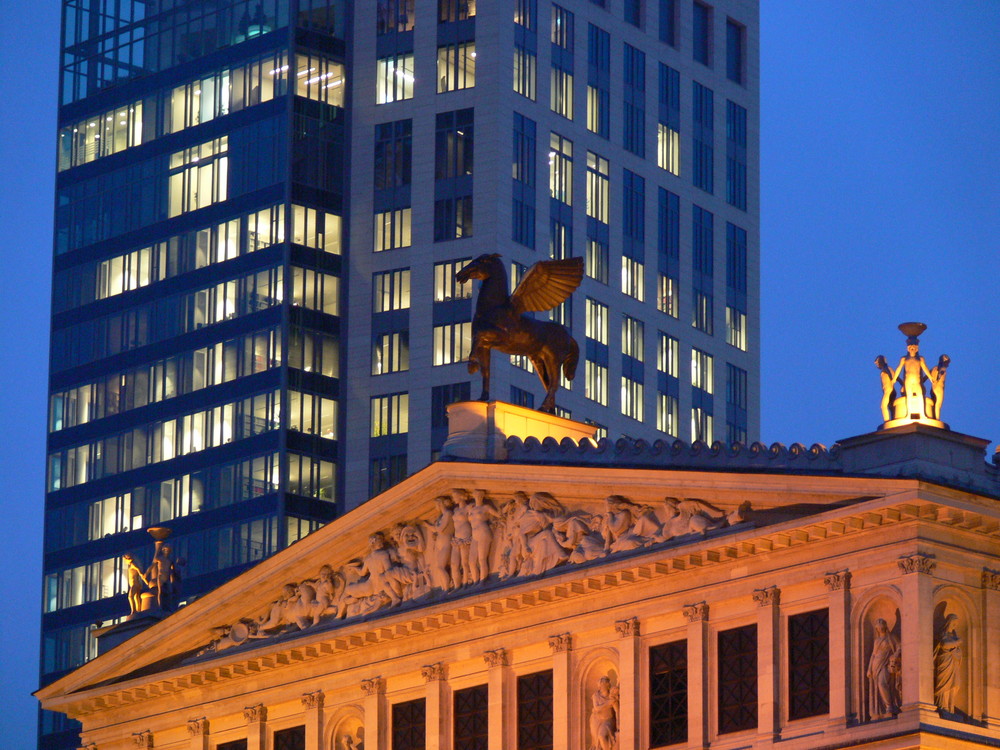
(486, 265)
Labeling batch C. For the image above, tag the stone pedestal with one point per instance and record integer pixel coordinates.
(478, 429)
(113, 635)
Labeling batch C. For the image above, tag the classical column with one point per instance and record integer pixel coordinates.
(438, 731)
(629, 670)
(697, 658)
(839, 586)
(312, 703)
(498, 681)
(917, 635)
(768, 654)
(198, 733)
(561, 646)
(256, 718)
(376, 713)
(991, 608)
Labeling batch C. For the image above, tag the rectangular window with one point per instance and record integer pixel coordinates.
(456, 67)
(735, 56)
(524, 150)
(562, 27)
(444, 395)
(736, 328)
(633, 332)
(390, 415)
(668, 28)
(598, 188)
(634, 101)
(702, 47)
(199, 177)
(454, 144)
(668, 139)
(668, 149)
(809, 664)
(633, 278)
(525, 64)
(736, 404)
(393, 154)
(386, 471)
(394, 78)
(452, 343)
(737, 679)
(391, 290)
(736, 155)
(394, 16)
(666, 295)
(409, 725)
(446, 286)
(392, 229)
(561, 169)
(736, 258)
(320, 79)
(667, 414)
(390, 352)
(633, 215)
(596, 263)
(597, 321)
(453, 218)
(456, 10)
(668, 690)
(702, 370)
(703, 134)
(560, 239)
(534, 711)
(596, 385)
(470, 716)
(702, 240)
(702, 424)
(703, 312)
(525, 12)
(561, 92)
(293, 738)
(632, 398)
(668, 355)
(598, 81)
(634, 13)
(521, 397)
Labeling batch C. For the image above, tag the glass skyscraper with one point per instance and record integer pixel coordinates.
(255, 322)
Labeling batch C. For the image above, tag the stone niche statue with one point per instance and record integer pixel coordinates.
(947, 664)
(604, 715)
(884, 672)
(913, 403)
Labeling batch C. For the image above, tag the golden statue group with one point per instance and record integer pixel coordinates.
(913, 403)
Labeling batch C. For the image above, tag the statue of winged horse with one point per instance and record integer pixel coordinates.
(500, 322)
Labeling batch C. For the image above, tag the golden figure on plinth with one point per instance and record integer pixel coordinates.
(913, 404)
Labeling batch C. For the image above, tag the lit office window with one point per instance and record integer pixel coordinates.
(316, 229)
(392, 229)
(452, 343)
(320, 79)
(596, 262)
(446, 286)
(456, 10)
(394, 78)
(391, 352)
(736, 328)
(525, 12)
(668, 149)
(390, 414)
(596, 382)
(394, 16)
(632, 338)
(525, 66)
(702, 425)
(313, 414)
(598, 188)
(561, 93)
(702, 312)
(315, 290)
(668, 355)
(666, 295)
(633, 278)
(631, 396)
(310, 477)
(702, 370)
(456, 67)
(667, 414)
(199, 177)
(596, 321)
(561, 169)
(598, 81)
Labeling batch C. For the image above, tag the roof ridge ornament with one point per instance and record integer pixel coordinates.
(913, 404)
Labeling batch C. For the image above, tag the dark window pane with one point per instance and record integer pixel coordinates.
(534, 711)
(409, 725)
(668, 706)
(293, 738)
(471, 715)
(809, 664)
(737, 679)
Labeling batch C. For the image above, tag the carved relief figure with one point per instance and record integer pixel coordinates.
(411, 550)
(883, 673)
(482, 517)
(163, 576)
(914, 371)
(947, 663)
(442, 531)
(938, 374)
(888, 387)
(136, 581)
(535, 528)
(604, 716)
(380, 580)
(694, 516)
(461, 542)
(618, 525)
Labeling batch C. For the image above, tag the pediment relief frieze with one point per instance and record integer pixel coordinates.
(471, 541)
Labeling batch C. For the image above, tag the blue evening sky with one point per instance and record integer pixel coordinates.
(880, 187)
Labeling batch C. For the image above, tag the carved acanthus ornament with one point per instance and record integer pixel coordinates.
(626, 628)
(696, 612)
(143, 739)
(767, 597)
(560, 643)
(255, 714)
(373, 686)
(312, 700)
(840, 581)
(434, 672)
(197, 727)
(472, 539)
(496, 658)
(918, 563)
(991, 579)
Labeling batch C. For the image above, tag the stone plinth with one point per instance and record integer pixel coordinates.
(478, 430)
(114, 635)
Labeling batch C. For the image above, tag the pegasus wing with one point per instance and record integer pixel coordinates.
(547, 284)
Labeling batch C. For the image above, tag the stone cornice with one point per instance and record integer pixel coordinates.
(570, 583)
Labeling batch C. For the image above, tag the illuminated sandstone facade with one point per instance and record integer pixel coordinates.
(626, 596)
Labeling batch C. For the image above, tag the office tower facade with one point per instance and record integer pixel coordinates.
(255, 321)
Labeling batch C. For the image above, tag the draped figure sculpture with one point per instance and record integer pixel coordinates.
(947, 662)
(884, 667)
(604, 716)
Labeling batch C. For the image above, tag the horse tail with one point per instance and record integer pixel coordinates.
(572, 359)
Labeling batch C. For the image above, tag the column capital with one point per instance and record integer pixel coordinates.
(433, 672)
(991, 579)
(313, 699)
(143, 739)
(496, 658)
(255, 714)
(767, 597)
(696, 612)
(839, 581)
(627, 627)
(560, 643)
(373, 686)
(197, 727)
(917, 563)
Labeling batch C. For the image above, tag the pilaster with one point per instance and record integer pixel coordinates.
(498, 683)
(561, 646)
(198, 734)
(256, 718)
(768, 667)
(697, 653)
(376, 713)
(313, 705)
(917, 636)
(629, 669)
(438, 736)
(991, 611)
(839, 587)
